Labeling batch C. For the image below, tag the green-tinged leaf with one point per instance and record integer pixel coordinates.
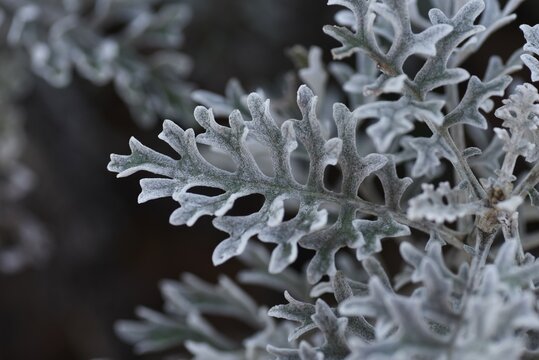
(308, 227)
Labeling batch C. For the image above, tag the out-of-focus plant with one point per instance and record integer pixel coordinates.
(452, 185)
(23, 239)
(132, 44)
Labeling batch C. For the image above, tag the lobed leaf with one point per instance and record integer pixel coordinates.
(308, 227)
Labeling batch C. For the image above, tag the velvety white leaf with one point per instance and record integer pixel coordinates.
(442, 204)
(308, 228)
(532, 45)
(520, 114)
(435, 71)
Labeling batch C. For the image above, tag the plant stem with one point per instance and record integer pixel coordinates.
(484, 240)
(508, 165)
(529, 182)
(482, 248)
(462, 167)
(459, 162)
(511, 233)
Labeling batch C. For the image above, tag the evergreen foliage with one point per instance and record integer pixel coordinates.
(468, 294)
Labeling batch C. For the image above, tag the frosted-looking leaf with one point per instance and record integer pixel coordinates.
(532, 45)
(467, 111)
(325, 287)
(394, 187)
(226, 298)
(333, 329)
(308, 226)
(182, 322)
(373, 232)
(296, 311)
(418, 259)
(235, 98)
(490, 157)
(442, 204)
(435, 71)
(275, 333)
(520, 114)
(345, 232)
(404, 43)
(435, 321)
(315, 75)
(375, 269)
(157, 332)
(492, 19)
(389, 308)
(302, 312)
(496, 67)
(257, 258)
(386, 85)
(429, 151)
(395, 118)
(253, 347)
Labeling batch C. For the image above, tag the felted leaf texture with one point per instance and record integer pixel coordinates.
(442, 316)
(308, 227)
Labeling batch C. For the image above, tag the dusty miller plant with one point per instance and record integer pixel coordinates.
(55, 38)
(132, 44)
(458, 196)
(23, 239)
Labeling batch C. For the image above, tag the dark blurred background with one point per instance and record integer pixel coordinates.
(108, 252)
